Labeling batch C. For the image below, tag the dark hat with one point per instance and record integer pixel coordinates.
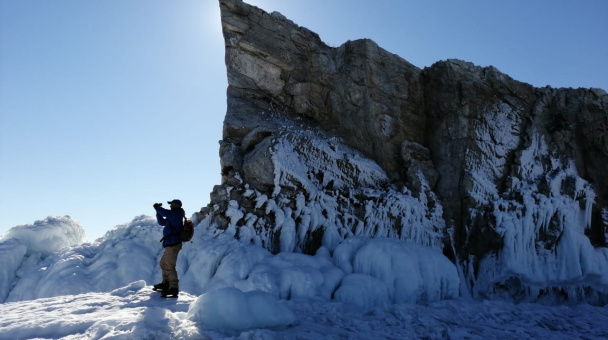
(178, 202)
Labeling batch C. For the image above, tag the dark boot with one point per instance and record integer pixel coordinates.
(170, 293)
(161, 286)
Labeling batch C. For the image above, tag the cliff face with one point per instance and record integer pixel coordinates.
(322, 143)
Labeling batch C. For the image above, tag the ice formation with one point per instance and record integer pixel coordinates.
(353, 140)
(542, 218)
(322, 187)
(231, 309)
(12, 253)
(233, 289)
(47, 236)
(24, 245)
(406, 271)
(125, 254)
(130, 252)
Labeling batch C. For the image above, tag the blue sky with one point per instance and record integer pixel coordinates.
(109, 106)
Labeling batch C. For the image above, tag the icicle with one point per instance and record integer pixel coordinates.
(566, 261)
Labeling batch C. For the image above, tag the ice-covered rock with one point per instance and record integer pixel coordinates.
(323, 143)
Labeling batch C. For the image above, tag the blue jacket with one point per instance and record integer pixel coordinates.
(173, 222)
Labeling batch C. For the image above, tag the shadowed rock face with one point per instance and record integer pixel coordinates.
(323, 143)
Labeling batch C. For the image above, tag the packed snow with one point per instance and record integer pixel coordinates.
(136, 312)
(367, 288)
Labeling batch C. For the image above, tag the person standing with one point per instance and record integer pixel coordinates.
(173, 221)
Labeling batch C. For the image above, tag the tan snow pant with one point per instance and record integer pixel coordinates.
(167, 264)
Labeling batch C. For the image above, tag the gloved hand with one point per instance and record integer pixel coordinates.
(156, 205)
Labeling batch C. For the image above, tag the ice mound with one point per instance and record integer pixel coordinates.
(49, 235)
(406, 271)
(230, 309)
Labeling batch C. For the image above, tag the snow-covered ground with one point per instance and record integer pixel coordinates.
(365, 289)
(137, 312)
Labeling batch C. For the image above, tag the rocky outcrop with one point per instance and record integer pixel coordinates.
(323, 143)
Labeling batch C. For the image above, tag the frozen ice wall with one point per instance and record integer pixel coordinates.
(402, 271)
(385, 270)
(542, 218)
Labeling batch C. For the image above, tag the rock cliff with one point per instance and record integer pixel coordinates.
(322, 143)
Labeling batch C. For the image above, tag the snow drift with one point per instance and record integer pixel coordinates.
(367, 288)
(130, 252)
